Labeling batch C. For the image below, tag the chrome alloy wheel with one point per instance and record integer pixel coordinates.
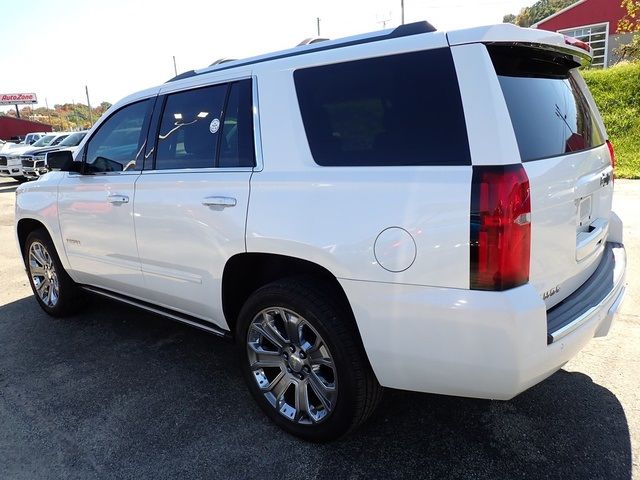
(43, 273)
(292, 365)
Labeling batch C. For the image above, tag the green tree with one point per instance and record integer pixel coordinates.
(536, 12)
(630, 23)
(69, 116)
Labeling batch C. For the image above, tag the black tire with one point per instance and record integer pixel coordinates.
(358, 391)
(70, 298)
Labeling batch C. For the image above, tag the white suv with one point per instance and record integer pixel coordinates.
(414, 209)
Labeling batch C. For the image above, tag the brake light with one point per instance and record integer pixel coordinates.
(500, 227)
(612, 154)
(574, 42)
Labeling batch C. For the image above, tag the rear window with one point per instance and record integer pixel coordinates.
(388, 111)
(549, 112)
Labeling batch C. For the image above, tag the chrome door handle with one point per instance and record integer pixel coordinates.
(118, 199)
(219, 202)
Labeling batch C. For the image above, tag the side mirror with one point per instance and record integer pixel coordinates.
(63, 160)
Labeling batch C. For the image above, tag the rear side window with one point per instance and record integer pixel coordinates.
(388, 111)
(236, 143)
(549, 112)
(189, 128)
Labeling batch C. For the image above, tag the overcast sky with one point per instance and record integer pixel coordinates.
(117, 47)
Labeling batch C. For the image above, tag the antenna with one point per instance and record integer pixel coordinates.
(383, 19)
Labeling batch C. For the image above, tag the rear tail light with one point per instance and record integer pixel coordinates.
(612, 154)
(500, 227)
(574, 42)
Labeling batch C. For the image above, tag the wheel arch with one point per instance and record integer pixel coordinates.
(27, 225)
(244, 273)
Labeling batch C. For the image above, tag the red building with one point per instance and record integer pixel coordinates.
(593, 21)
(11, 126)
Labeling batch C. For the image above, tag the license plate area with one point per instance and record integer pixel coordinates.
(584, 214)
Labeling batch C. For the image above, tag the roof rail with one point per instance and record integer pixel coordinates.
(405, 30)
(187, 74)
(223, 60)
(310, 40)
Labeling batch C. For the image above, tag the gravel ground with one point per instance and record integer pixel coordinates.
(116, 393)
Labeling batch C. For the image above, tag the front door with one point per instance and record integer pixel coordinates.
(96, 207)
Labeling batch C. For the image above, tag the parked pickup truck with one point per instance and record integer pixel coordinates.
(411, 208)
(34, 162)
(10, 161)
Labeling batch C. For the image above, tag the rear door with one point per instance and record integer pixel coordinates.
(191, 204)
(562, 146)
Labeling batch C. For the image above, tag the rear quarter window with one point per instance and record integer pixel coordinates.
(549, 112)
(387, 111)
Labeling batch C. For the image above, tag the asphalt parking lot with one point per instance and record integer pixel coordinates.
(116, 393)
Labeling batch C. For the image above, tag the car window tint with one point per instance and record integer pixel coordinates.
(189, 128)
(549, 112)
(58, 140)
(236, 143)
(387, 111)
(73, 140)
(116, 145)
(44, 141)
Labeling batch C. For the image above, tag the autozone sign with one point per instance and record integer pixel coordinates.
(17, 98)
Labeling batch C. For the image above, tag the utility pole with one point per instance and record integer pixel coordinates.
(17, 111)
(318, 22)
(175, 69)
(402, 11)
(86, 88)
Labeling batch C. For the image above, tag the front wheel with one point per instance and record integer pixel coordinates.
(304, 362)
(55, 291)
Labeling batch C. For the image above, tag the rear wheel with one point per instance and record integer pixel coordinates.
(56, 293)
(303, 361)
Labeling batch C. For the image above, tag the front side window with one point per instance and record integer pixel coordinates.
(189, 128)
(117, 144)
(387, 111)
(73, 140)
(58, 140)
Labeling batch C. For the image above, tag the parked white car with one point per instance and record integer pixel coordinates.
(415, 209)
(10, 161)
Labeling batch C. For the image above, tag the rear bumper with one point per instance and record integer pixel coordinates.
(471, 343)
(599, 297)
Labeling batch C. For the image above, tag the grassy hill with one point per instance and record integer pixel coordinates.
(617, 93)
